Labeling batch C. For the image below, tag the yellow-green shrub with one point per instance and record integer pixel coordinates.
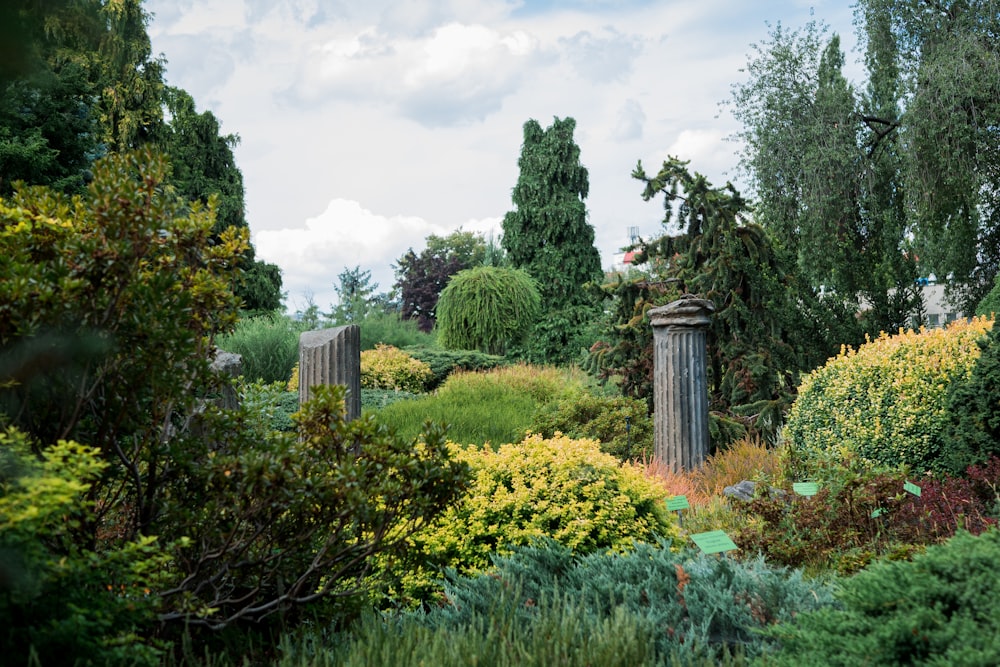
(885, 403)
(388, 367)
(557, 487)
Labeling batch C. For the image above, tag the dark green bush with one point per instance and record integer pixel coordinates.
(700, 606)
(444, 362)
(622, 425)
(972, 433)
(940, 609)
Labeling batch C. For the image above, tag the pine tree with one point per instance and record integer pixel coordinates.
(547, 235)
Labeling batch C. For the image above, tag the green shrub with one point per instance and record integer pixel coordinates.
(387, 367)
(444, 362)
(699, 606)
(486, 308)
(268, 344)
(884, 403)
(559, 633)
(972, 432)
(559, 488)
(492, 407)
(268, 406)
(939, 609)
(60, 604)
(376, 399)
(622, 425)
(274, 521)
(390, 329)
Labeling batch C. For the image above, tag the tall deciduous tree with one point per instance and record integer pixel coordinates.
(826, 173)
(873, 188)
(420, 278)
(547, 235)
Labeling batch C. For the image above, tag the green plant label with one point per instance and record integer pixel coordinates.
(713, 542)
(805, 488)
(877, 512)
(910, 487)
(677, 503)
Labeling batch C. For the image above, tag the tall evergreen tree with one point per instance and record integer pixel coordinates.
(547, 235)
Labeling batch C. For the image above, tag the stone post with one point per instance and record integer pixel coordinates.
(332, 356)
(680, 385)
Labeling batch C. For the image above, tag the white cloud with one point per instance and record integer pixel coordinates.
(456, 73)
(346, 235)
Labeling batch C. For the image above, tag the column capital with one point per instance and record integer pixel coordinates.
(688, 311)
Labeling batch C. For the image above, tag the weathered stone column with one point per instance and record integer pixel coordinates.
(332, 356)
(680, 385)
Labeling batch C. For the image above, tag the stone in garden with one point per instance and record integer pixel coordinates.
(228, 366)
(745, 491)
(680, 385)
(332, 356)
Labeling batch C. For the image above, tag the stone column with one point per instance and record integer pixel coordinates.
(680, 385)
(332, 356)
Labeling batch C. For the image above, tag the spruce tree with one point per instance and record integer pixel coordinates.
(547, 235)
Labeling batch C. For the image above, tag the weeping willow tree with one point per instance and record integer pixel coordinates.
(486, 309)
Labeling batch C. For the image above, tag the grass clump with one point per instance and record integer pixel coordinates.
(493, 407)
(269, 345)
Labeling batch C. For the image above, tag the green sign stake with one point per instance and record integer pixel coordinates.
(677, 503)
(805, 488)
(877, 512)
(713, 542)
(910, 487)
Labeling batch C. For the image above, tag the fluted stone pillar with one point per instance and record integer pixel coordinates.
(332, 356)
(680, 385)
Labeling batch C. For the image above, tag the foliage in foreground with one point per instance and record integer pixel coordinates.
(685, 604)
(939, 609)
(558, 488)
(56, 598)
(885, 403)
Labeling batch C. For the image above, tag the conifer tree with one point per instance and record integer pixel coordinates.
(547, 235)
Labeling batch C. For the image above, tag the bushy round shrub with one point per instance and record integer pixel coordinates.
(564, 489)
(885, 403)
(388, 367)
(939, 609)
(486, 308)
(622, 425)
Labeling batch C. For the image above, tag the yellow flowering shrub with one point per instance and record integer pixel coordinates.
(883, 404)
(565, 489)
(388, 367)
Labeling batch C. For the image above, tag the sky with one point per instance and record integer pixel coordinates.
(367, 125)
